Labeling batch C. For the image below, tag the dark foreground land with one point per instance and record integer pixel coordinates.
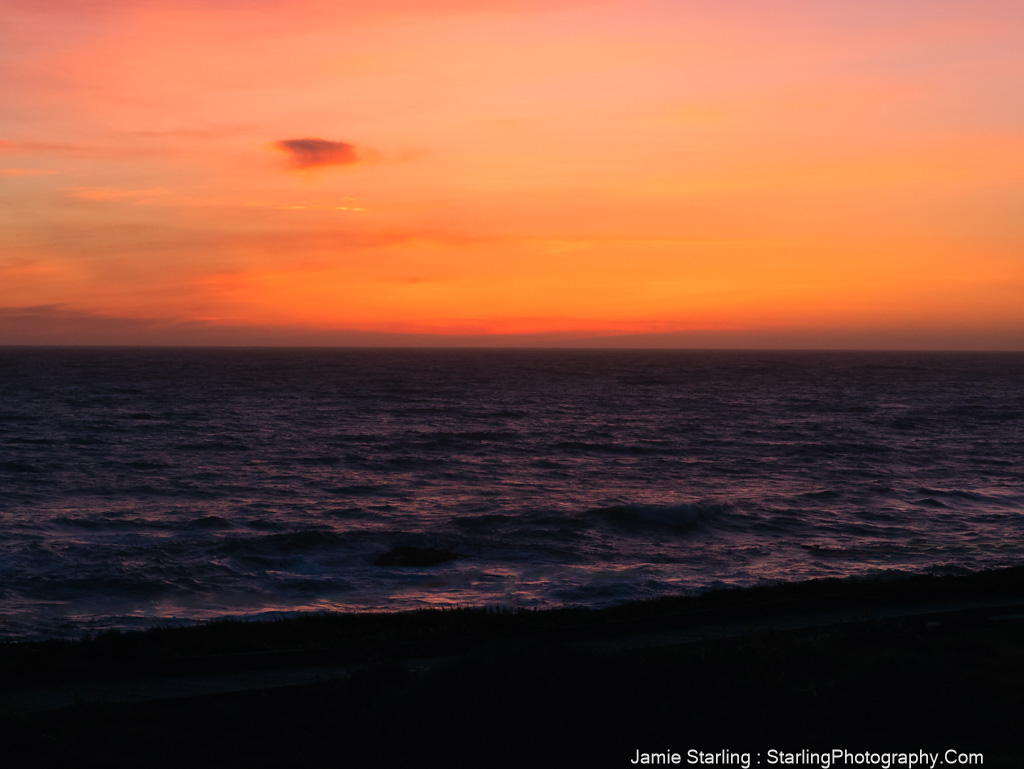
(924, 663)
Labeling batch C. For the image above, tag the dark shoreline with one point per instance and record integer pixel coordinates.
(430, 631)
(923, 662)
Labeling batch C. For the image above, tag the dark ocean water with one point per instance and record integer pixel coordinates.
(150, 486)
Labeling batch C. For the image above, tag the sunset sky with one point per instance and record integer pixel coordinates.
(695, 173)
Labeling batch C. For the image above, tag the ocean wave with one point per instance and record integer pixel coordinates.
(107, 523)
(210, 522)
(679, 515)
(286, 543)
(215, 445)
(824, 494)
(325, 459)
(483, 522)
(585, 447)
(246, 478)
(19, 466)
(957, 494)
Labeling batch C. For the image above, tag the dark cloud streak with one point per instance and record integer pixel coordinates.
(316, 153)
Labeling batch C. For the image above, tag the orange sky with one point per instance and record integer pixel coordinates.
(738, 173)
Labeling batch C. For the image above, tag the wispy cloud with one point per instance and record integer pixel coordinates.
(317, 153)
(48, 148)
(109, 193)
(313, 11)
(26, 172)
(65, 324)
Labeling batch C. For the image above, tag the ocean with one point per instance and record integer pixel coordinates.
(156, 486)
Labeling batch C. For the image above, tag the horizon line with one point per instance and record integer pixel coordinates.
(500, 348)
